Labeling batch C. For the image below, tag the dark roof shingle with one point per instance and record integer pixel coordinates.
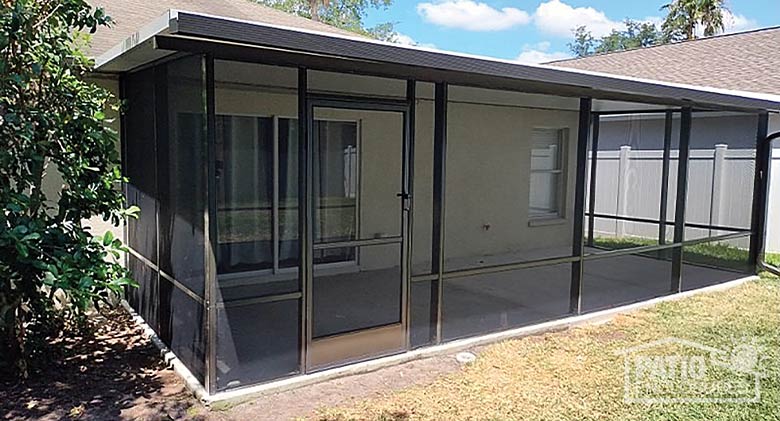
(747, 61)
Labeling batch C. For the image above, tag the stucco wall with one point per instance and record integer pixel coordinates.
(488, 166)
(52, 181)
(488, 181)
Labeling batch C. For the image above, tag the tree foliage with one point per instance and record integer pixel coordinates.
(635, 35)
(683, 19)
(51, 267)
(685, 16)
(584, 43)
(345, 14)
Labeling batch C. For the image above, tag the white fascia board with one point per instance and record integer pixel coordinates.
(160, 25)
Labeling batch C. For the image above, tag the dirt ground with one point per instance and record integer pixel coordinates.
(117, 373)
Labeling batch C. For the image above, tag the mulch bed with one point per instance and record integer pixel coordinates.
(114, 372)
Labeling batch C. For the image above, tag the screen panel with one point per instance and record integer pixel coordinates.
(141, 171)
(354, 297)
(182, 169)
(629, 181)
(480, 304)
(422, 324)
(714, 262)
(721, 174)
(258, 285)
(257, 342)
(145, 298)
(613, 281)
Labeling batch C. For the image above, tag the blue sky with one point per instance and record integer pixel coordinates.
(536, 30)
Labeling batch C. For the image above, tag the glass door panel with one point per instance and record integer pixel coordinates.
(334, 185)
(347, 300)
(357, 288)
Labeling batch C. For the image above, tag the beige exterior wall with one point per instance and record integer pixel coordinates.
(488, 181)
(52, 181)
(488, 166)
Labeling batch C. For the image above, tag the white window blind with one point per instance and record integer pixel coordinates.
(546, 173)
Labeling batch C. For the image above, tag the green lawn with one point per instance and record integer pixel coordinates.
(577, 374)
(712, 254)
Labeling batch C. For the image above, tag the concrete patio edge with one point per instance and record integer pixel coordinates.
(190, 381)
(244, 394)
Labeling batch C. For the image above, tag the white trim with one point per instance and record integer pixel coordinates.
(190, 381)
(158, 26)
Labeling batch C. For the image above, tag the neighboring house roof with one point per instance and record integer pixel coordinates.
(745, 61)
(130, 15)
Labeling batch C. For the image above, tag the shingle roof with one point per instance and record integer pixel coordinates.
(746, 61)
(131, 15)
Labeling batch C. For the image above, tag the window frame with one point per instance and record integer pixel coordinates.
(244, 277)
(559, 213)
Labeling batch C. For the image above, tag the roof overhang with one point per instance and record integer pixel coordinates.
(232, 39)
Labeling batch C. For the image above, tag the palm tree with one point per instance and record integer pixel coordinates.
(711, 16)
(684, 16)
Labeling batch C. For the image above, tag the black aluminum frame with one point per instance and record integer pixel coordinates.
(578, 233)
(311, 101)
(760, 192)
(437, 235)
(588, 132)
(679, 242)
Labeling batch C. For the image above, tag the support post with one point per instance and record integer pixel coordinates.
(407, 197)
(682, 197)
(760, 192)
(305, 264)
(439, 172)
(578, 240)
(594, 155)
(163, 190)
(665, 168)
(210, 227)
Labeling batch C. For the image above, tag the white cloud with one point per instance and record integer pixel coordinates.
(555, 17)
(538, 53)
(736, 23)
(472, 16)
(404, 39)
(732, 23)
(536, 56)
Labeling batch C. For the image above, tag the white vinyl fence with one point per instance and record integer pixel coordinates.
(720, 191)
(773, 217)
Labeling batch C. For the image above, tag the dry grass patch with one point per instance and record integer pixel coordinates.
(578, 375)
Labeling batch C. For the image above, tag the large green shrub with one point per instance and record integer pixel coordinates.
(51, 267)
